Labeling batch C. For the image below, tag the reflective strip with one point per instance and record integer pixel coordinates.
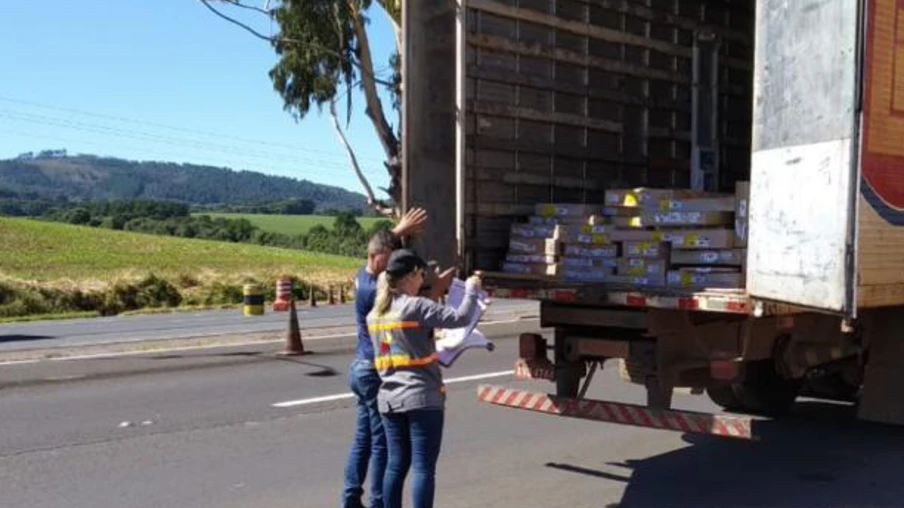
(404, 361)
(388, 327)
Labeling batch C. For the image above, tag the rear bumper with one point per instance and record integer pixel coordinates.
(736, 427)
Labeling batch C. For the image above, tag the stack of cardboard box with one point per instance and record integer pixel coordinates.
(641, 237)
(560, 241)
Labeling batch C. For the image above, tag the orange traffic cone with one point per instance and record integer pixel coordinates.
(294, 346)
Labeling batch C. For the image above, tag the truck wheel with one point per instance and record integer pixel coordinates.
(724, 396)
(765, 391)
(568, 380)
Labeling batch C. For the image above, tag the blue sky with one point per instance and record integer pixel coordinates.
(165, 80)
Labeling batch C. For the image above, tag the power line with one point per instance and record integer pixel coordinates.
(176, 129)
(181, 142)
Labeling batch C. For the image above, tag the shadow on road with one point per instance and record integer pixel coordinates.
(818, 458)
(323, 370)
(23, 338)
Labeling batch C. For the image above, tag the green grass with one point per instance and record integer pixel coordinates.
(288, 224)
(52, 252)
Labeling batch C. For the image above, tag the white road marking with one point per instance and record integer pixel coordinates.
(342, 396)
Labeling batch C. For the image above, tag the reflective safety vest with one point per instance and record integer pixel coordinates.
(392, 353)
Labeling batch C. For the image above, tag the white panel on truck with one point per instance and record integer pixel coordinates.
(803, 176)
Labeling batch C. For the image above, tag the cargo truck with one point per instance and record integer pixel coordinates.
(510, 103)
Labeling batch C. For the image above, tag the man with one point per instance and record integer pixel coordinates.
(368, 449)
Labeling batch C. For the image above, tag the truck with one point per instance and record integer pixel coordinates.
(510, 103)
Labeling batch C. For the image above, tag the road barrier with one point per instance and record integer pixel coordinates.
(253, 300)
(283, 295)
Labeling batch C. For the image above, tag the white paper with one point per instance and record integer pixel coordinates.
(473, 338)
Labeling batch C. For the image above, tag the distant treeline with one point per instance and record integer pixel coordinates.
(285, 207)
(347, 237)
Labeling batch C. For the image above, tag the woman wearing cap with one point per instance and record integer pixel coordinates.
(412, 396)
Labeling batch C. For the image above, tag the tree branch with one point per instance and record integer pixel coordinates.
(284, 40)
(237, 3)
(372, 201)
(369, 86)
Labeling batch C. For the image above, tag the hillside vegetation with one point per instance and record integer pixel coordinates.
(52, 175)
(289, 224)
(50, 268)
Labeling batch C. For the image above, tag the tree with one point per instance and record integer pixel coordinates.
(324, 53)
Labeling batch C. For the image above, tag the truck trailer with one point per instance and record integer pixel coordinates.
(510, 103)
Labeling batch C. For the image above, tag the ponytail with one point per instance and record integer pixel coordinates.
(385, 293)
(387, 290)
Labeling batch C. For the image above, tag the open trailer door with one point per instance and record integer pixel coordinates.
(804, 167)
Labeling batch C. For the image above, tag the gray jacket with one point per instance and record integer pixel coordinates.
(405, 350)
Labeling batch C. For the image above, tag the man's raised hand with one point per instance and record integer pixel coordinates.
(412, 223)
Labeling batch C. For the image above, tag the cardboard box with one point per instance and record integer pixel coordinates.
(530, 258)
(533, 230)
(534, 246)
(530, 269)
(561, 232)
(591, 239)
(543, 221)
(641, 266)
(590, 251)
(648, 250)
(613, 211)
(569, 210)
(585, 262)
(647, 197)
(667, 219)
(713, 204)
(723, 257)
(681, 238)
(651, 281)
(709, 269)
(714, 280)
(742, 202)
(587, 274)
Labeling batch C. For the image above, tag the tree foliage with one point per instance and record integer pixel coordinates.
(324, 54)
(90, 178)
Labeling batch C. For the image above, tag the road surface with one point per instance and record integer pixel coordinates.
(237, 427)
(119, 329)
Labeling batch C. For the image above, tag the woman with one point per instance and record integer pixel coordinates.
(412, 396)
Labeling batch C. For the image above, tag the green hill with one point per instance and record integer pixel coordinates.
(59, 264)
(53, 175)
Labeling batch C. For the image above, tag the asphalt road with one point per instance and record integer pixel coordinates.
(237, 427)
(119, 329)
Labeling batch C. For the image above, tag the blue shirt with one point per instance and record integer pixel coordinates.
(365, 294)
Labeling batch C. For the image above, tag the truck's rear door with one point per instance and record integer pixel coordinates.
(805, 143)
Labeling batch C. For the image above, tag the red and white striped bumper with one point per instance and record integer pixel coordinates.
(627, 414)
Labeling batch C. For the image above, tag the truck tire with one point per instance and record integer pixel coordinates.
(724, 396)
(764, 391)
(568, 379)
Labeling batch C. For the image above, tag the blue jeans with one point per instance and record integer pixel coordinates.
(369, 445)
(414, 440)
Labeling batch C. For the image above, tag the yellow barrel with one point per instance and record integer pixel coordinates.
(253, 300)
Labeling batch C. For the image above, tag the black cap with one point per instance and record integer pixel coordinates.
(402, 262)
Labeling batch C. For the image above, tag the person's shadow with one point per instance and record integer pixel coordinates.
(820, 457)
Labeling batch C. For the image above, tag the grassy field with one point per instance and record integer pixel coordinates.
(288, 224)
(58, 253)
